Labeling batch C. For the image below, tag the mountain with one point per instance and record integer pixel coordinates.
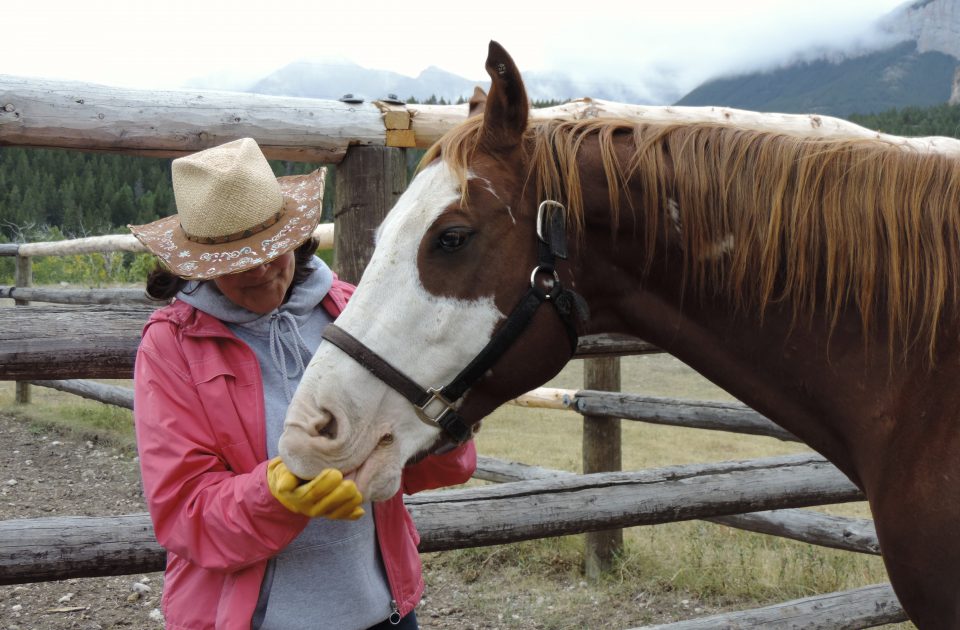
(897, 77)
(918, 70)
(933, 24)
(332, 80)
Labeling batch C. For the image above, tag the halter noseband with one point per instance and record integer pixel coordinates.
(435, 406)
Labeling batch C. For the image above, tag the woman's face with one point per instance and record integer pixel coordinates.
(262, 288)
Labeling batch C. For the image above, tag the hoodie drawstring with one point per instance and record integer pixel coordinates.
(282, 345)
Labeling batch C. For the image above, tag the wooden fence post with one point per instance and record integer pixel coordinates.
(601, 453)
(22, 277)
(369, 181)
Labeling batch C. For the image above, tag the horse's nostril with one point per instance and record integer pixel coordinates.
(386, 440)
(326, 426)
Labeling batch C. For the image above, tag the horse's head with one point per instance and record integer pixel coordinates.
(453, 259)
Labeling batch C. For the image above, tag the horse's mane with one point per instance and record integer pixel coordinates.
(812, 222)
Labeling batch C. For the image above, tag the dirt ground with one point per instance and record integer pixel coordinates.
(45, 474)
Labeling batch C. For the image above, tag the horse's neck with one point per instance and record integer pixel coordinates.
(818, 382)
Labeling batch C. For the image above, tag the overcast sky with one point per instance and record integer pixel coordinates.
(167, 43)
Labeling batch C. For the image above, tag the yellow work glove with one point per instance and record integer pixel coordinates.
(326, 495)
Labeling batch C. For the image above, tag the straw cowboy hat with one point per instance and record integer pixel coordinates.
(233, 213)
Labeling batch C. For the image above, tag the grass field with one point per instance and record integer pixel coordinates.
(694, 564)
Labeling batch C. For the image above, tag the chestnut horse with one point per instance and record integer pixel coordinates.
(816, 280)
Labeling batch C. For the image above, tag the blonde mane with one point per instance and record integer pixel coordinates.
(814, 222)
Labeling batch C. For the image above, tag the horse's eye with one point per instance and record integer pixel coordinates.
(454, 238)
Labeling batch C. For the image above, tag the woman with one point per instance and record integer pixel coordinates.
(249, 545)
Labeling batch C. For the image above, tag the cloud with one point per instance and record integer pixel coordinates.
(655, 47)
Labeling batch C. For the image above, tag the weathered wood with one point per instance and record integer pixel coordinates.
(67, 547)
(815, 528)
(85, 341)
(809, 526)
(864, 607)
(429, 122)
(101, 392)
(9, 249)
(601, 453)
(80, 296)
(61, 342)
(502, 471)
(118, 242)
(45, 549)
(67, 114)
(369, 182)
(612, 344)
(565, 505)
(548, 398)
(22, 278)
(716, 415)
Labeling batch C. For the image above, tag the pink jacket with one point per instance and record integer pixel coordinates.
(198, 406)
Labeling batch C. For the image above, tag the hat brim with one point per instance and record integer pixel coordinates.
(302, 207)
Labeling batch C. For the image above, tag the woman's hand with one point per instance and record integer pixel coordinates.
(326, 495)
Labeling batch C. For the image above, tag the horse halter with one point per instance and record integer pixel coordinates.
(435, 405)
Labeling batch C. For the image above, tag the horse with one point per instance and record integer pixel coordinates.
(815, 279)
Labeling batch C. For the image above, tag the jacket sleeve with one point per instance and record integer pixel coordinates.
(203, 511)
(435, 471)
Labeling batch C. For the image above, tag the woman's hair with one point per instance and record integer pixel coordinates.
(163, 284)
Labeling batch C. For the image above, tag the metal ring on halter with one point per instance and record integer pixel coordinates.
(556, 280)
(540, 214)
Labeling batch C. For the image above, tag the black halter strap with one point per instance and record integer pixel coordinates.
(435, 406)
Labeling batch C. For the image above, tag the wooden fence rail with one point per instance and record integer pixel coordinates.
(864, 607)
(815, 528)
(63, 547)
(80, 296)
(114, 243)
(810, 527)
(650, 409)
(76, 115)
(89, 341)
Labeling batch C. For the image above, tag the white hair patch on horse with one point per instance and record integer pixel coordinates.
(713, 251)
(488, 186)
(673, 209)
(394, 278)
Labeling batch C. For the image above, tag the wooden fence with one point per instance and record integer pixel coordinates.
(94, 334)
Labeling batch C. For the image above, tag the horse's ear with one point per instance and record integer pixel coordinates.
(477, 102)
(506, 110)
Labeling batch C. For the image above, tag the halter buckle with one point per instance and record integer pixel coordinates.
(446, 407)
(544, 214)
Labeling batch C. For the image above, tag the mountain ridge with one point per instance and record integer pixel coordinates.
(914, 67)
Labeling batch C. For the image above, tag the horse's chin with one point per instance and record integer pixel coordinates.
(378, 477)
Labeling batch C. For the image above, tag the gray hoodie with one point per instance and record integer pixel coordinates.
(331, 575)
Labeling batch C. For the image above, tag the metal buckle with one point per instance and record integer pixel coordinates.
(435, 396)
(541, 215)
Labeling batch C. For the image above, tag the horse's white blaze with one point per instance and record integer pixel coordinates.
(390, 303)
